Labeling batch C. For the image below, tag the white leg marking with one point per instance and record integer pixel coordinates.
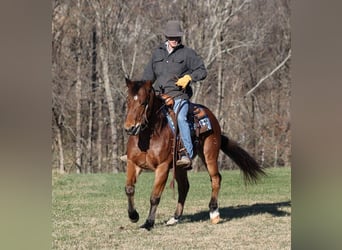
(214, 214)
(172, 221)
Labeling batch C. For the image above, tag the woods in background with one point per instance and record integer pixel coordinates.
(246, 47)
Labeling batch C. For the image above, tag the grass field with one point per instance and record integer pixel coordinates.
(90, 212)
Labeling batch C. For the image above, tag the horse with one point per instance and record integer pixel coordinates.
(150, 147)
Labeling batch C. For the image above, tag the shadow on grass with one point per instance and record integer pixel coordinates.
(235, 212)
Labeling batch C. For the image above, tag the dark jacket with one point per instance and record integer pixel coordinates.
(164, 69)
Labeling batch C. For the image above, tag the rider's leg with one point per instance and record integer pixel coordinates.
(182, 107)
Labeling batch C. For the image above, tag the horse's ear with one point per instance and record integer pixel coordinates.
(128, 81)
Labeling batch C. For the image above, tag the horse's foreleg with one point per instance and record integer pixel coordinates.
(160, 179)
(131, 178)
(183, 188)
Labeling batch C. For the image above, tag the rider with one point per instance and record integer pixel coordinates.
(173, 67)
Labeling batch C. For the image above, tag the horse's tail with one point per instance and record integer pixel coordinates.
(250, 168)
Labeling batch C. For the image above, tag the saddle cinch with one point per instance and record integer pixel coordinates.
(198, 119)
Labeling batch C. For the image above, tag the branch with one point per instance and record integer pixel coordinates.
(209, 62)
(235, 11)
(267, 76)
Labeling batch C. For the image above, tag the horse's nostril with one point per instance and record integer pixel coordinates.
(129, 129)
(133, 129)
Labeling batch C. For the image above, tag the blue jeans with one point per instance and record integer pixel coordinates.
(183, 125)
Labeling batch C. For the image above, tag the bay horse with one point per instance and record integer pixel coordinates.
(149, 146)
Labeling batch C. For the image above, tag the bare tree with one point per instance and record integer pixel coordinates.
(78, 93)
(100, 15)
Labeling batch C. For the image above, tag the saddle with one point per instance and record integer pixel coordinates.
(198, 120)
(197, 117)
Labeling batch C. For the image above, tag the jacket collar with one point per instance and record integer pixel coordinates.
(163, 47)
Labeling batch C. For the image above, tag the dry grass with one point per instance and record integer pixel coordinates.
(90, 212)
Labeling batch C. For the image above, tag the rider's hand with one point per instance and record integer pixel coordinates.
(183, 81)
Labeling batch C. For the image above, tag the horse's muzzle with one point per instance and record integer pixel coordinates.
(133, 130)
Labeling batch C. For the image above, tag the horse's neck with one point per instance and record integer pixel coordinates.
(157, 119)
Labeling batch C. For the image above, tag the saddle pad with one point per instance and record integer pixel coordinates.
(197, 118)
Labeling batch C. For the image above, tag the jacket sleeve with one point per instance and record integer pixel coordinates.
(196, 64)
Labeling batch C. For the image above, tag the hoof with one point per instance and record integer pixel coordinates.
(133, 216)
(215, 220)
(148, 225)
(215, 216)
(172, 221)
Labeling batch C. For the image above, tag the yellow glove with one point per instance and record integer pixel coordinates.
(183, 81)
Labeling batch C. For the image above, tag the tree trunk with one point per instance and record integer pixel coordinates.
(219, 78)
(104, 62)
(60, 151)
(93, 106)
(90, 136)
(78, 149)
(99, 135)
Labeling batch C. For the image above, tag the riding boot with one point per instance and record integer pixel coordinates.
(184, 160)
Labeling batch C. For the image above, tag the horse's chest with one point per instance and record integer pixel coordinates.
(153, 152)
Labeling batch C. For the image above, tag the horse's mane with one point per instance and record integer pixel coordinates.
(160, 118)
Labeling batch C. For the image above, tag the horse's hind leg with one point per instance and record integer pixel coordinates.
(183, 188)
(210, 157)
(215, 178)
(131, 178)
